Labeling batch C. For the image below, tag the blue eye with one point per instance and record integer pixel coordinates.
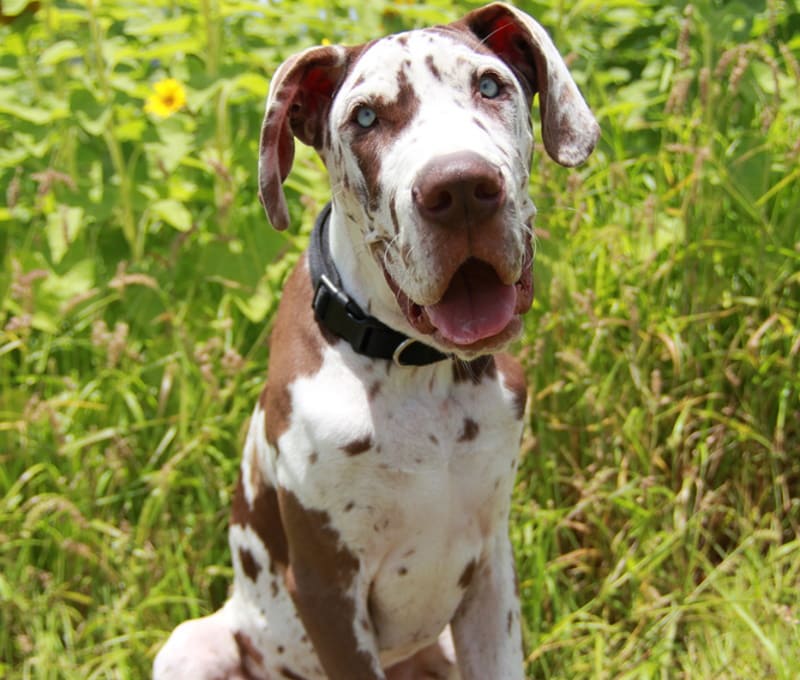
(366, 117)
(489, 87)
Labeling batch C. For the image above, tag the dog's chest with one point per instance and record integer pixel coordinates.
(414, 468)
(365, 437)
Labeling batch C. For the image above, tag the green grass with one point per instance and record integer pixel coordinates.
(657, 509)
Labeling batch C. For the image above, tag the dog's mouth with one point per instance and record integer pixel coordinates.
(477, 310)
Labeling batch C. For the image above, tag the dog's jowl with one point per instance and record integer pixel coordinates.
(369, 528)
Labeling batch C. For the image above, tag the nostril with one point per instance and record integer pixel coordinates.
(487, 191)
(433, 200)
(440, 202)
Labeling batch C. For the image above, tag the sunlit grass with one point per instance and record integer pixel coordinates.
(657, 508)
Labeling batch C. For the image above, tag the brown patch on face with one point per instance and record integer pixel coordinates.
(358, 446)
(475, 370)
(467, 574)
(469, 430)
(319, 578)
(368, 145)
(290, 674)
(296, 350)
(264, 518)
(515, 381)
(248, 652)
(251, 567)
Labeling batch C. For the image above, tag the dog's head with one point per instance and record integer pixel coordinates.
(427, 139)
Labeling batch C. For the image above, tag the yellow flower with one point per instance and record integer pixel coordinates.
(169, 97)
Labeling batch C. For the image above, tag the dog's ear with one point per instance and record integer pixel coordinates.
(568, 126)
(297, 106)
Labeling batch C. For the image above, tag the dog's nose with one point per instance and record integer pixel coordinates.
(459, 188)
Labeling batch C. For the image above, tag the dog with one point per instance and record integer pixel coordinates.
(369, 529)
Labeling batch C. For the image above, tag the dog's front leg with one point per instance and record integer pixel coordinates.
(325, 583)
(486, 627)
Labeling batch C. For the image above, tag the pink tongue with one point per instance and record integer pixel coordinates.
(476, 305)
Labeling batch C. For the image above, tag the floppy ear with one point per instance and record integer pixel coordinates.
(297, 106)
(568, 126)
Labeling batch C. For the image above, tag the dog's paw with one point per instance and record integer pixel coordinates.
(201, 649)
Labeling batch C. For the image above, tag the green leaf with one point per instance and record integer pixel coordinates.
(256, 306)
(14, 7)
(152, 27)
(253, 83)
(31, 114)
(55, 290)
(61, 51)
(63, 227)
(92, 116)
(174, 213)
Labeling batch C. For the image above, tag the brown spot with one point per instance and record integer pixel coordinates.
(475, 370)
(313, 458)
(433, 439)
(264, 518)
(349, 506)
(510, 622)
(515, 381)
(469, 430)
(251, 567)
(280, 649)
(296, 349)
(320, 575)
(430, 63)
(358, 446)
(478, 123)
(402, 571)
(374, 390)
(247, 650)
(393, 214)
(289, 673)
(467, 574)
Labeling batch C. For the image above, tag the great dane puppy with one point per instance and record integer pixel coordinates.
(369, 528)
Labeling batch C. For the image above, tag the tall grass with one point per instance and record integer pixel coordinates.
(658, 503)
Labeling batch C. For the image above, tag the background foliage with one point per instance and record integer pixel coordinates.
(658, 504)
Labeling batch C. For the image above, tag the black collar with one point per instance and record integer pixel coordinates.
(340, 314)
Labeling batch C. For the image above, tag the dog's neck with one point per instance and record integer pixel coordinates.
(360, 273)
(343, 314)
